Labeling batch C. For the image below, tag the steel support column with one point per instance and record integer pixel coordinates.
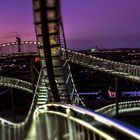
(47, 49)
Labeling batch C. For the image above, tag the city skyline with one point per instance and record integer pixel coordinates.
(105, 24)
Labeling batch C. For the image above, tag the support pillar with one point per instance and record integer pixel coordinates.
(13, 105)
(32, 73)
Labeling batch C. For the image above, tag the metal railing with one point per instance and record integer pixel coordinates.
(77, 123)
(16, 83)
(128, 106)
(12, 48)
(18, 131)
(115, 68)
(57, 121)
(66, 122)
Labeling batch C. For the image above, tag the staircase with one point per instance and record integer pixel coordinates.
(49, 43)
(50, 38)
(42, 96)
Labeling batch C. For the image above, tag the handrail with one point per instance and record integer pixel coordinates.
(115, 68)
(74, 117)
(74, 96)
(16, 83)
(19, 130)
(39, 81)
(15, 43)
(81, 123)
(127, 71)
(123, 107)
(12, 47)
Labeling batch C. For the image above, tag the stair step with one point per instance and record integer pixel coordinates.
(41, 103)
(43, 87)
(42, 95)
(43, 90)
(41, 99)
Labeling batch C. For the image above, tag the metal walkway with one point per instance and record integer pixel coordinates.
(127, 71)
(124, 70)
(57, 121)
(55, 83)
(16, 83)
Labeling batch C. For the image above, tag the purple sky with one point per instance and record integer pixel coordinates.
(87, 23)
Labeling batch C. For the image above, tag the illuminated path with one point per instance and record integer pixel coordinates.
(127, 71)
(128, 106)
(16, 83)
(80, 127)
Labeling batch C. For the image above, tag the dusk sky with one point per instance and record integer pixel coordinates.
(87, 23)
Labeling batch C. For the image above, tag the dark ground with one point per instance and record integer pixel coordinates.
(132, 118)
(14, 105)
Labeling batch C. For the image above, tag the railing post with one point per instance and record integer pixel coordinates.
(71, 126)
(32, 74)
(114, 67)
(13, 106)
(139, 73)
(48, 124)
(136, 71)
(3, 130)
(133, 71)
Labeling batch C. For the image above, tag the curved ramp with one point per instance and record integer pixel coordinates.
(12, 48)
(128, 106)
(127, 71)
(78, 123)
(16, 83)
